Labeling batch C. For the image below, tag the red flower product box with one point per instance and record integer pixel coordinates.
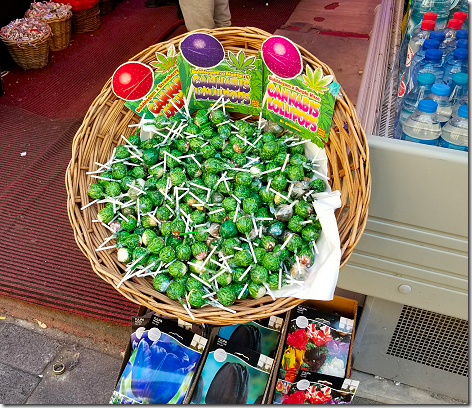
(339, 306)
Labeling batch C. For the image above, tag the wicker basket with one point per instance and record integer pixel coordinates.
(32, 55)
(105, 6)
(87, 20)
(107, 119)
(61, 31)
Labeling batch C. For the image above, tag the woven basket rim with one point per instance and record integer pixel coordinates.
(58, 20)
(36, 41)
(140, 291)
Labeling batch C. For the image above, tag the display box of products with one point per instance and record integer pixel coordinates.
(185, 338)
(337, 345)
(263, 337)
(268, 338)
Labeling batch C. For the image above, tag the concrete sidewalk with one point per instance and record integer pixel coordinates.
(29, 349)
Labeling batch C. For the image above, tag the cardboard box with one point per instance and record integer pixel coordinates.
(339, 305)
(208, 333)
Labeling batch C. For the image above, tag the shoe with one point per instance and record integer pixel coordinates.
(155, 3)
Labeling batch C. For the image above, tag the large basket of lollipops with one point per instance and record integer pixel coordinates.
(220, 177)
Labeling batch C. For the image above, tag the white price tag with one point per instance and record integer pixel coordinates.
(220, 355)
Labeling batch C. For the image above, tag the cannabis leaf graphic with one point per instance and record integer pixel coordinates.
(326, 112)
(316, 81)
(240, 62)
(163, 62)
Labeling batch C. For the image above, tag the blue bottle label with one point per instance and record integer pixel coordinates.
(432, 142)
(444, 143)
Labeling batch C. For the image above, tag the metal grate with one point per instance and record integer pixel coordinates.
(431, 339)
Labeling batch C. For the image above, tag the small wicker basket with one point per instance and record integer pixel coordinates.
(32, 55)
(99, 134)
(61, 32)
(60, 28)
(87, 20)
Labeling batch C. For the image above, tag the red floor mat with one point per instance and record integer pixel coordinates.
(40, 262)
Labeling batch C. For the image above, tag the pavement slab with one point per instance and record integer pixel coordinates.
(364, 401)
(385, 391)
(89, 378)
(26, 349)
(16, 385)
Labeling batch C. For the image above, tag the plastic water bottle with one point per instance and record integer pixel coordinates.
(419, 56)
(459, 87)
(449, 46)
(426, 16)
(459, 63)
(455, 133)
(459, 44)
(432, 62)
(422, 125)
(440, 7)
(461, 35)
(460, 15)
(459, 92)
(407, 78)
(452, 26)
(428, 44)
(437, 35)
(463, 100)
(440, 94)
(415, 43)
(411, 100)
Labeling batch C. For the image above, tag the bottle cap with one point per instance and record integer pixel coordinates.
(460, 15)
(463, 111)
(462, 44)
(428, 106)
(430, 16)
(461, 53)
(430, 44)
(441, 89)
(429, 25)
(438, 35)
(462, 34)
(455, 24)
(427, 78)
(459, 78)
(433, 54)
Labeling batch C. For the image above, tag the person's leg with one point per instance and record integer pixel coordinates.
(198, 13)
(222, 15)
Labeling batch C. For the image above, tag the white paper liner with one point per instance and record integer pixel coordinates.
(323, 274)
